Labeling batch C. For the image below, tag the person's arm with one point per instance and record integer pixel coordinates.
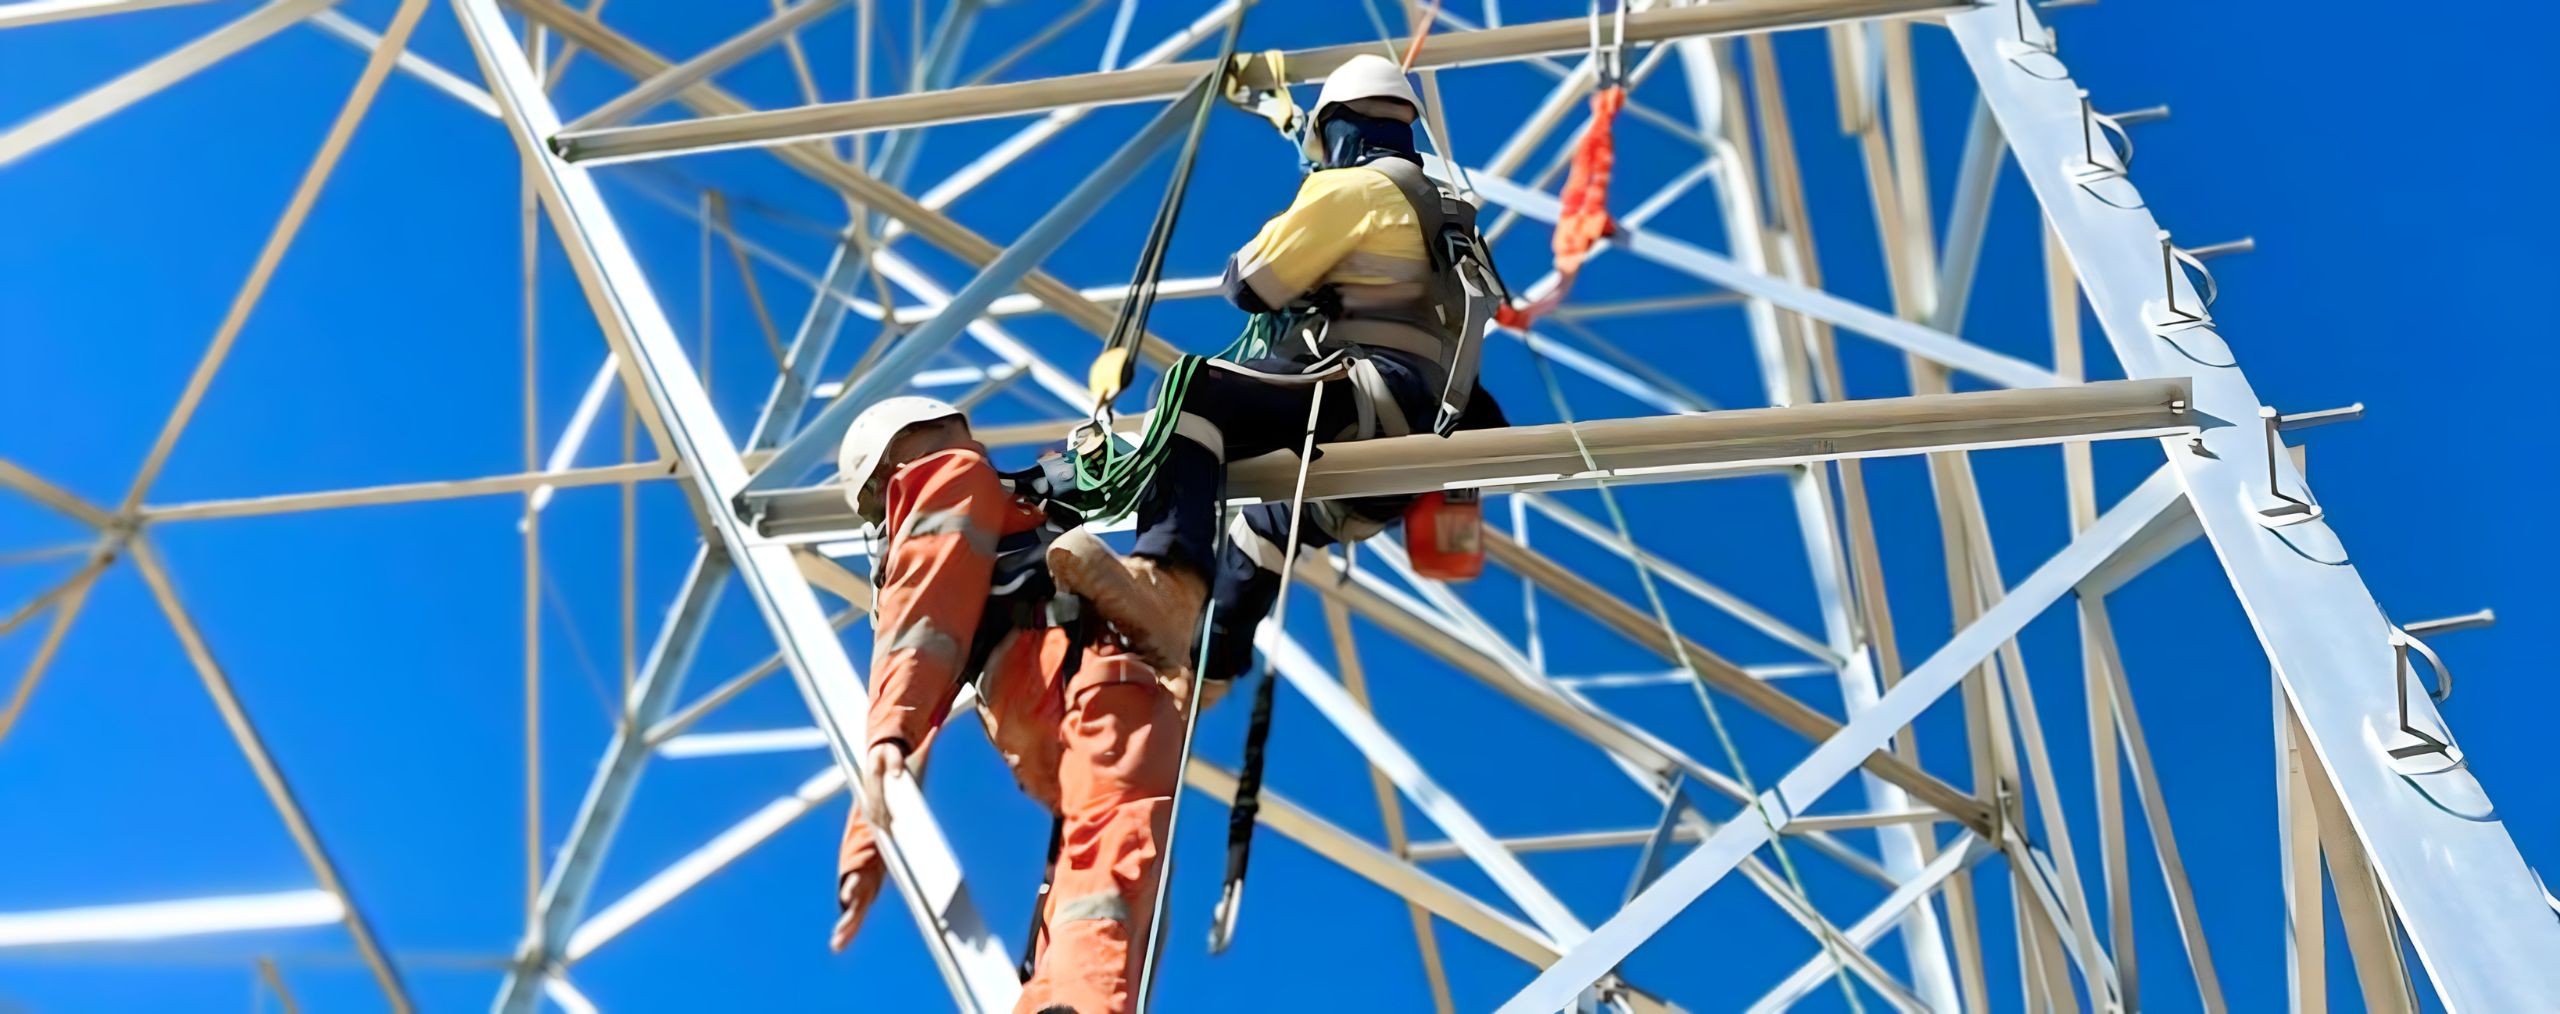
(1293, 252)
(945, 511)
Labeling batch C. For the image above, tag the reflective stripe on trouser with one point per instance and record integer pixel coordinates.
(1248, 568)
(1102, 754)
(1255, 408)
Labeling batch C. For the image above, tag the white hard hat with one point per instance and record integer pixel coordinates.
(1366, 76)
(868, 439)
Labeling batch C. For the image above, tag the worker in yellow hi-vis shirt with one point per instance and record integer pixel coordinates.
(1387, 290)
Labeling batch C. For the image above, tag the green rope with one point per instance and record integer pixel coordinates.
(1114, 473)
(1698, 683)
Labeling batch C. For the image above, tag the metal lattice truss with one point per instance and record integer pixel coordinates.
(2369, 778)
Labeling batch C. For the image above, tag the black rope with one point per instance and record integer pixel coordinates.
(1247, 809)
(1129, 325)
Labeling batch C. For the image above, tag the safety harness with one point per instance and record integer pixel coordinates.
(1101, 475)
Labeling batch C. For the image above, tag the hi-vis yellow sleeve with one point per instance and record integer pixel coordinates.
(1347, 226)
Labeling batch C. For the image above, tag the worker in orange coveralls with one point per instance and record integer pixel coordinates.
(1088, 729)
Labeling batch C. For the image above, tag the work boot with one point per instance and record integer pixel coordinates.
(1156, 607)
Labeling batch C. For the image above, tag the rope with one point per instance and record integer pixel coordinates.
(1173, 817)
(1248, 799)
(1697, 683)
(1116, 471)
(1585, 219)
(1421, 31)
(1116, 365)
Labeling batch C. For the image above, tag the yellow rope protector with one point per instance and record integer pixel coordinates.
(1109, 371)
(1273, 104)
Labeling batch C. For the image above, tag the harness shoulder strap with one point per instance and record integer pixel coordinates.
(1425, 195)
(1464, 286)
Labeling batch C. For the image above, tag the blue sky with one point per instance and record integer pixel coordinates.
(2393, 189)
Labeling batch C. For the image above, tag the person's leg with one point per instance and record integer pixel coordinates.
(1249, 582)
(1229, 413)
(1120, 745)
(1248, 579)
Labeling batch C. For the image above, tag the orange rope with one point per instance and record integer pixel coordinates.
(1421, 31)
(1585, 219)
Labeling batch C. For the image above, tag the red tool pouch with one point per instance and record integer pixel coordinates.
(1444, 535)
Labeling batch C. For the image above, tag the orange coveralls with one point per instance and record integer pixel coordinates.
(1099, 748)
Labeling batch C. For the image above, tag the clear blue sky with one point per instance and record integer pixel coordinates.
(2386, 164)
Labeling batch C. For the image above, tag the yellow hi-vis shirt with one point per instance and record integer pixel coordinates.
(1350, 228)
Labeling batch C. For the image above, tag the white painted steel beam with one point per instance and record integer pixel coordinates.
(1656, 448)
(1918, 339)
(1444, 50)
(662, 86)
(147, 80)
(974, 962)
(1841, 755)
(2471, 906)
(160, 920)
(1951, 860)
(37, 12)
(1383, 752)
(348, 30)
(411, 492)
(697, 866)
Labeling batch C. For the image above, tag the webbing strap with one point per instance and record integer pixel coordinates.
(1117, 363)
(1040, 904)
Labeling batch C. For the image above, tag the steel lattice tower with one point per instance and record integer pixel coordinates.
(2371, 784)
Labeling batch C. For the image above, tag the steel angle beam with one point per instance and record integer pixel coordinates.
(1446, 49)
(1654, 448)
(816, 162)
(1837, 757)
(37, 12)
(974, 962)
(410, 492)
(1781, 707)
(664, 85)
(1381, 749)
(1397, 876)
(816, 442)
(144, 81)
(1918, 339)
(2472, 908)
(1952, 859)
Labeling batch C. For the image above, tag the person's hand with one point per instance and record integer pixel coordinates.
(1213, 691)
(849, 907)
(877, 765)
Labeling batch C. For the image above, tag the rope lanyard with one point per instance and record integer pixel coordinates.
(1831, 943)
(1222, 924)
(1117, 364)
(1584, 219)
(1247, 805)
